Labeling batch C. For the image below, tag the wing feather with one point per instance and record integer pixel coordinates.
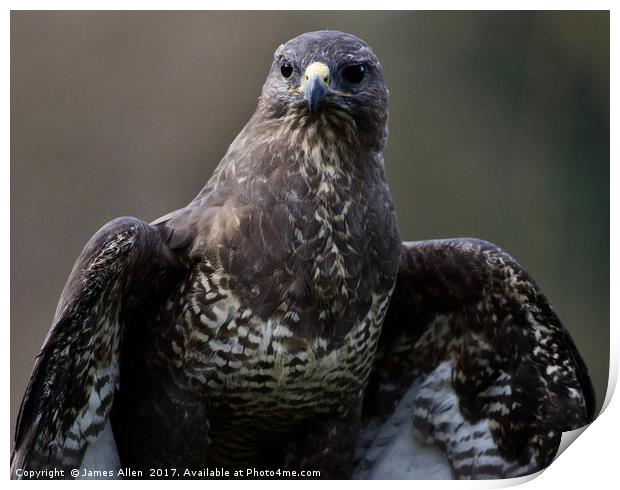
(497, 378)
(124, 268)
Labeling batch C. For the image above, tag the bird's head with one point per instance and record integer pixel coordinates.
(328, 78)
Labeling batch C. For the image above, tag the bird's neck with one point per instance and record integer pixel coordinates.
(296, 156)
(328, 142)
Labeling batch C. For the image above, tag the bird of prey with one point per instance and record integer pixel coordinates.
(278, 322)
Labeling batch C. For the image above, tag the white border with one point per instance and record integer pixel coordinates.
(312, 5)
(593, 459)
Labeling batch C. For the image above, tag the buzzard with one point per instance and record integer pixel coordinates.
(277, 322)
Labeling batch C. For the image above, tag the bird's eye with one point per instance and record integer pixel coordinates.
(286, 69)
(354, 73)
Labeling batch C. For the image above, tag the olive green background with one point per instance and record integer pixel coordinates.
(499, 129)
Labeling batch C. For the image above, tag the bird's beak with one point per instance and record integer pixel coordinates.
(315, 84)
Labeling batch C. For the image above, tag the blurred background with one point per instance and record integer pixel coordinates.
(499, 129)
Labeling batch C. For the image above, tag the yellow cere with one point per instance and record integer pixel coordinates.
(320, 70)
(317, 69)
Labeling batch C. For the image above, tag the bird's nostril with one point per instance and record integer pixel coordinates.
(326, 79)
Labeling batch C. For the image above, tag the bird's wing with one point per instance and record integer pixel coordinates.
(124, 270)
(474, 361)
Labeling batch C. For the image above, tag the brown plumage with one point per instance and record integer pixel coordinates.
(242, 330)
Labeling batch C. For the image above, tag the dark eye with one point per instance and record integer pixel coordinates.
(354, 73)
(286, 69)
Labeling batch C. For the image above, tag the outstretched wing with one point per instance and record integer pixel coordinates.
(122, 272)
(477, 363)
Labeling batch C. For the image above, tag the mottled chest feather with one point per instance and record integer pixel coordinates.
(313, 234)
(284, 305)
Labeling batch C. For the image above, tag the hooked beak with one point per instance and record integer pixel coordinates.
(315, 85)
